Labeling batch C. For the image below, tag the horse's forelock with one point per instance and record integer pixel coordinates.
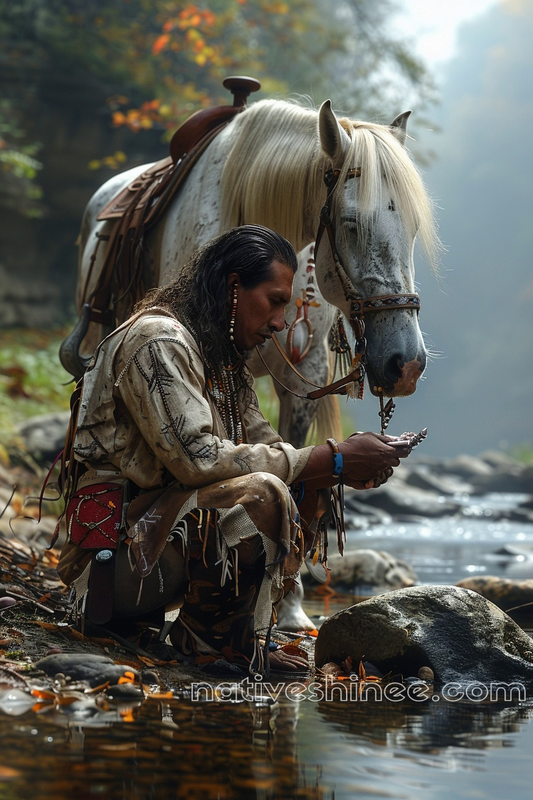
(379, 154)
(273, 174)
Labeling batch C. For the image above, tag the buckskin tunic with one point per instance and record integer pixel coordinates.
(146, 415)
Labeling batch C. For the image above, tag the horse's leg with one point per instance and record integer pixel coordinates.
(297, 415)
(289, 611)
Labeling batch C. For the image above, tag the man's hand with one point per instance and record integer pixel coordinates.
(373, 483)
(368, 461)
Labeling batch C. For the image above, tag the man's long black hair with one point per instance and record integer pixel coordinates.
(200, 298)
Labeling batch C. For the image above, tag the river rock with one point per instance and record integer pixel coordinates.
(368, 568)
(363, 515)
(93, 669)
(44, 436)
(422, 478)
(504, 593)
(497, 458)
(515, 478)
(460, 635)
(465, 466)
(399, 499)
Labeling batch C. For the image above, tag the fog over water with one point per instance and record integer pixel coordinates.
(478, 314)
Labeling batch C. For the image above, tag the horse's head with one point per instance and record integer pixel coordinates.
(377, 206)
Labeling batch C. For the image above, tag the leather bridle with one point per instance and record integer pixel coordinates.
(359, 307)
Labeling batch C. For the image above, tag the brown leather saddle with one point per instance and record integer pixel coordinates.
(144, 201)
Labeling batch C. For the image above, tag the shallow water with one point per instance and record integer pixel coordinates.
(326, 750)
(451, 548)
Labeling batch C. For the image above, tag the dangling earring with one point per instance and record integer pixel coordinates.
(233, 313)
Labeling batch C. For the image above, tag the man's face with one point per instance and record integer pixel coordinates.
(261, 310)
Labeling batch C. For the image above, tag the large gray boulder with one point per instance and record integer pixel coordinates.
(459, 634)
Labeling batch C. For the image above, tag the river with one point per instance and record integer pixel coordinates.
(327, 749)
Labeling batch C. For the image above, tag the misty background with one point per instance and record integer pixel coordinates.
(477, 315)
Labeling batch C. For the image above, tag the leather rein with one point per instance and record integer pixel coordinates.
(359, 306)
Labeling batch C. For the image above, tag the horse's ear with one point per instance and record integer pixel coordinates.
(332, 137)
(399, 126)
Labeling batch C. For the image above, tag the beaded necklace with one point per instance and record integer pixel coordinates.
(222, 387)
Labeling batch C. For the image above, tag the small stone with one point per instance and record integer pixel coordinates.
(426, 674)
(124, 691)
(53, 650)
(150, 677)
(94, 669)
(7, 602)
(332, 669)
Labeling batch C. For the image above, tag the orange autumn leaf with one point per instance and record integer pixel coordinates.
(160, 43)
(43, 694)
(51, 558)
(294, 650)
(150, 105)
(67, 699)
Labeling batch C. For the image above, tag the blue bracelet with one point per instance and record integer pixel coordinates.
(338, 462)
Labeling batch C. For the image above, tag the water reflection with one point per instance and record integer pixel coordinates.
(179, 749)
(157, 749)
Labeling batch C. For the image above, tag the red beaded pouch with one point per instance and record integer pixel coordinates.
(94, 516)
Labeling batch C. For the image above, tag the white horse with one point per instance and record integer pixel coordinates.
(267, 167)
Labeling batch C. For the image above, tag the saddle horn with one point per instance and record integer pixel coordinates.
(241, 87)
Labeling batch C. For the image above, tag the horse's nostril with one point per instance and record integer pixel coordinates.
(393, 368)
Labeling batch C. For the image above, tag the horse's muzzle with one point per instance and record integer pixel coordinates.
(405, 383)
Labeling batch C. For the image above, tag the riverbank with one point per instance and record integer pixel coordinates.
(423, 491)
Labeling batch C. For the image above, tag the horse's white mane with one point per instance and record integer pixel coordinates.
(271, 176)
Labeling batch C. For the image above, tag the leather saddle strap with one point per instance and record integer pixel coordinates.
(149, 199)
